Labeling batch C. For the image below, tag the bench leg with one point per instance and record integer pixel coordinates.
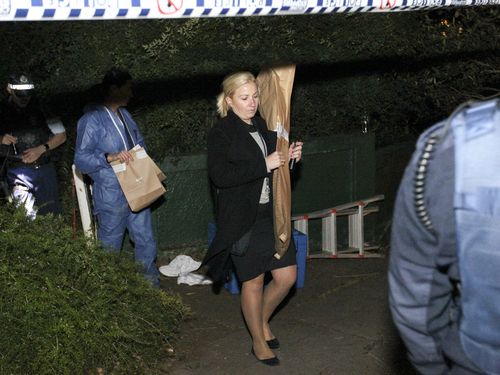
(356, 231)
(329, 234)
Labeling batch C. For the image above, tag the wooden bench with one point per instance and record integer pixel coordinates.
(355, 211)
(83, 195)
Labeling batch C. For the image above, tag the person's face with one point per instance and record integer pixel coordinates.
(122, 95)
(244, 101)
(21, 101)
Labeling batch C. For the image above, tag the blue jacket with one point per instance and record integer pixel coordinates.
(97, 136)
(444, 262)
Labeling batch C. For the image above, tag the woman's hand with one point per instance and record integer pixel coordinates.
(275, 160)
(295, 151)
(122, 156)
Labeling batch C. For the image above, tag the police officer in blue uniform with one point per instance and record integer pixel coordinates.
(26, 139)
(105, 134)
(444, 270)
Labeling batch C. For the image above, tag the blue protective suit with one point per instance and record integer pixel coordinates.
(443, 270)
(99, 135)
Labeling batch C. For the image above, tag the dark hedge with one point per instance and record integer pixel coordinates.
(67, 307)
(397, 72)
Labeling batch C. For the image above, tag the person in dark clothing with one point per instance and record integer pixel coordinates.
(241, 155)
(444, 262)
(27, 138)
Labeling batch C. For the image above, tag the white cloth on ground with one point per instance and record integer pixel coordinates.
(182, 267)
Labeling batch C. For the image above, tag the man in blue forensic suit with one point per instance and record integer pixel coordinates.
(444, 271)
(27, 138)
(105, 134)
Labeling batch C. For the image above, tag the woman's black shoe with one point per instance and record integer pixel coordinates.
(274, 361)
(273, 343)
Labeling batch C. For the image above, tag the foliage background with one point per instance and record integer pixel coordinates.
(399, 72)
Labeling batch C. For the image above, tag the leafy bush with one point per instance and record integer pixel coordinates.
(67, 307)
(395, 73)
(399, 71)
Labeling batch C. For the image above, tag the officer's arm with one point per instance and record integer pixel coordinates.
(7, 139)
(58, 138)
(55, 141)
(59, 134)
(409, 302)
(419, 292)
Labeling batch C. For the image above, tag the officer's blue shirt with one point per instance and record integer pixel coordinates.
(423, 263)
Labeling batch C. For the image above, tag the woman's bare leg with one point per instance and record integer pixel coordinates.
(274, 293)
(251, 305)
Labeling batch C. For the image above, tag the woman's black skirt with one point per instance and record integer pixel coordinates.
(259, 258)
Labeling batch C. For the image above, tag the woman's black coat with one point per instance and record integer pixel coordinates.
(237, 169)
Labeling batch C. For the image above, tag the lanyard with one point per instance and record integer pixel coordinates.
(118, 129)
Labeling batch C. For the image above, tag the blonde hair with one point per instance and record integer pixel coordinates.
(229, 85)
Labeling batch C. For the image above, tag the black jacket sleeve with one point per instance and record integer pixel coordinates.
(228, 166)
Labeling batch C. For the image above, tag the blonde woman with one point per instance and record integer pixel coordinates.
(241, 156)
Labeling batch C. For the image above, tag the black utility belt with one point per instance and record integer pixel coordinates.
(34, 165)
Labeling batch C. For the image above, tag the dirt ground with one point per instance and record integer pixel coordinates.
(338, 324)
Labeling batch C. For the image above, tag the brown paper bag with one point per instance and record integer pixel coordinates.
(159, 173)
(139, 180)
(275, 86)
(141, 153)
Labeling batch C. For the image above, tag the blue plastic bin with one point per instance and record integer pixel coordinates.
(233, 286)
(301, 257)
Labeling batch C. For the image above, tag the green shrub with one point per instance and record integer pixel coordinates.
(67, 307)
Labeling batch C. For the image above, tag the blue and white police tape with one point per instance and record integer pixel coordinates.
(48, 10)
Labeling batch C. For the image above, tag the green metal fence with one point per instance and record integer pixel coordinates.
(334, 170)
